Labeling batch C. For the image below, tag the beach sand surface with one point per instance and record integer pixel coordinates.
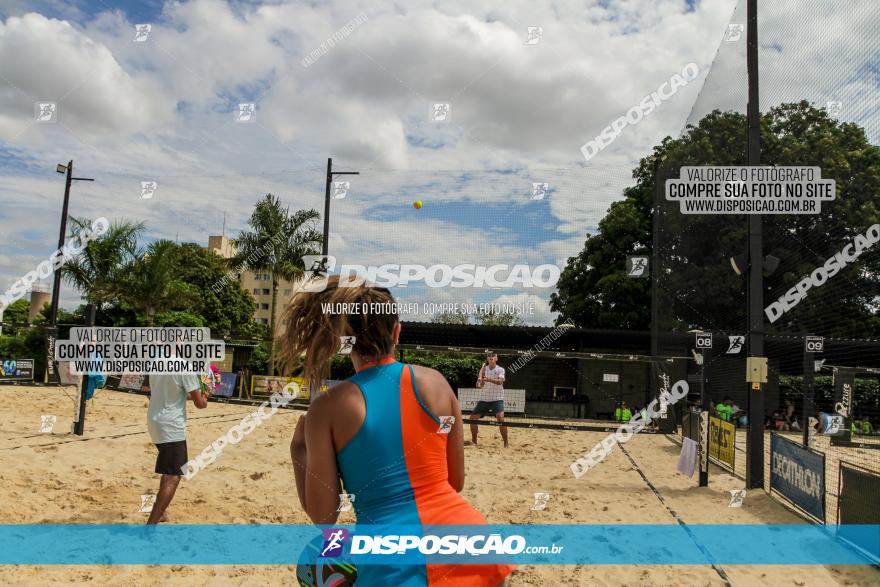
(100, 477)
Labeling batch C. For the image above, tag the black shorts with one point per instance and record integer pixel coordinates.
(172, 457)
(485, 408)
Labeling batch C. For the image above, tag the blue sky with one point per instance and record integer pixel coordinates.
(163, 110)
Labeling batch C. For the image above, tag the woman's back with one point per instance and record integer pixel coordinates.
(396, 467)
(395, 464)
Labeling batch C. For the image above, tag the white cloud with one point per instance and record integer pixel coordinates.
(162, 111)
(48, 59)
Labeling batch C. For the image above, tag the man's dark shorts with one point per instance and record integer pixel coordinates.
(172, 457)
(486, 408)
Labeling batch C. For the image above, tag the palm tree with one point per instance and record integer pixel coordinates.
(277, 243)
(151, 285)
(97, 271)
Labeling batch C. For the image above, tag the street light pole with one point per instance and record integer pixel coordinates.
(56, 285)
(52, 329)
(755, 455)
(330, 174)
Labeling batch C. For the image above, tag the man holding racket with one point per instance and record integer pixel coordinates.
(491, 384)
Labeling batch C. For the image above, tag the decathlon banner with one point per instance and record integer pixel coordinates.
(569, 544)
(722, 436)
(798, 474)
(514, 399)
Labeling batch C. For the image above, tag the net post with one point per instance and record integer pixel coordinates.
(80, 423)
(704, 417)
(807, 411)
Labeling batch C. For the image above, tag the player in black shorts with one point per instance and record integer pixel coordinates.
(491, 384)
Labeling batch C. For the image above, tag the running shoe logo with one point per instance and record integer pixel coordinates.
(334, 541)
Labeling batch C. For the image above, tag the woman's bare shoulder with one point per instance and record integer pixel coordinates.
(431, 380)
(338, 396)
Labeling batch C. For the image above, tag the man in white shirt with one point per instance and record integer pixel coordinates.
(491, 384)
(166, 422)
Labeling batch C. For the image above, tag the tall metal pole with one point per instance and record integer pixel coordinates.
(705, 414)
(327, 207)
(330, 174)
(655, 245)
(80, 423)
(808, 409)
(51, 375)
(62, 234)
(755, 455)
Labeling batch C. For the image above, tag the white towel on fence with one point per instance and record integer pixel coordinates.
(687, 460)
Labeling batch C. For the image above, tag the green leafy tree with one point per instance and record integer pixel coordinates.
(98, 270)
(494, 318)
(450, 317)
(697, 284)
(64, 317)
(484, 318)
(15, 313)
(276, 244)
(152, 285)
(222, 305)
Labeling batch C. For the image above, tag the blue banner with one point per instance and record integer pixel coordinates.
(276, 544)
(227, 385)
(799, 475)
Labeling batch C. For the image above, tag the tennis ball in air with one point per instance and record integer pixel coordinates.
(417, 204)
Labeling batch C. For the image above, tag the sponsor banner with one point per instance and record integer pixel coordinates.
(17, 370)
(722, 436)
(52, 376)
(134, 381)
(662, 382)
(704, 442)
(857, 504)
(66, 376)
(227, 385)
(269, 384)
(514, 399)
(798, 474)
(844, 382)
(284, 544)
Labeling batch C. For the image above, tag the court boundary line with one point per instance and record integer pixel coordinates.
(718, 569)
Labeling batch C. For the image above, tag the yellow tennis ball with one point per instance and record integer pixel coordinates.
(417, 204)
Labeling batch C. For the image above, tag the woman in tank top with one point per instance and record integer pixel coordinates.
(378, 432)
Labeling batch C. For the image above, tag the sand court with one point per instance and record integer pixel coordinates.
(56, 478)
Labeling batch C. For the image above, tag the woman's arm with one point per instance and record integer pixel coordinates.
(299, 458)
(314, 460)
(455, 442)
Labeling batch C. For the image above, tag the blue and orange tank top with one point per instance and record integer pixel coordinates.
(395, 465)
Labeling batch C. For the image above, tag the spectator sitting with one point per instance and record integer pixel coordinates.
(776, 420)
(725, 409)
(856, 426)
(622, 413)
(739, 415)
(788, 415)
(866, 426)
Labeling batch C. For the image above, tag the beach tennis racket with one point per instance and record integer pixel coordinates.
(331, 572)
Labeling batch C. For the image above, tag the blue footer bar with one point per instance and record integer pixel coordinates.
(568, 544)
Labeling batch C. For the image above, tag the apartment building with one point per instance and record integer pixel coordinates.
(257, 282)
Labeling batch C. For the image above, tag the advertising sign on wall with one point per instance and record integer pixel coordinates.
(798, 474)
